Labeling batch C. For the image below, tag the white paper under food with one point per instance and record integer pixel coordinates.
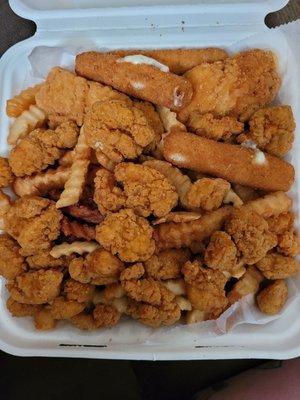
(43, 58)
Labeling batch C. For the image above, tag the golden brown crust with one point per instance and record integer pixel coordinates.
(12, 263)
(161, 88)
(272, 298)
(6, 176)
(277, 266)
(230, 162)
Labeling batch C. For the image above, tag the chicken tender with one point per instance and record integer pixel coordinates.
(41, 148)
(251, 235)
(271, 299)
(99, 268)
(147, 191)
(204, 287)
(272, 129)
(63, 95)
(248, 283)
(6, 176)
(107, 195)
(62, 308)
(127, 235)
(20, 310)
(117, 129)
(34, 222)
(221, 252)
(11, 261)
(153, 119)
(43, 259)
(276, 266)
(207, 193)
(36, 287)
(211, 127)
(167, 264)
(77, 291)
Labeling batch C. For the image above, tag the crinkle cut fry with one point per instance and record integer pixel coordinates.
(30, 119)
(41, 183)
(66, 249)
(271, 204)
(74, 184)
(172, 235)
(21, 102)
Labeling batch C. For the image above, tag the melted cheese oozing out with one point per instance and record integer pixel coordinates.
(177, 157)
(140, 59)
(259, 156)
(137, 85)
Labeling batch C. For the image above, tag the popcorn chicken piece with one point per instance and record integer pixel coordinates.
(276, 266)
(43, 319)
(84, 321)
(117, 129)
(135, 271)
(147, 191)
(77, 291)
(63, 94)
(20, 310)
(251, 234)
(204, 287)
(6, 176)
(207, 193)
(107, 195)
(153, 119)
(112, 291)
(62, 308)
(221, 252)
(288, 243)
(11, 261)
(145, 290)
(34, 222)
(127, 235)
(43, 259)
(212, 127)
(99, 268)
(167, 264)
(41, 148)
(272, 129)
(248, 283)
(4, 207)
(105, 316)
(280, 223)
(36, 287)
(272, 298)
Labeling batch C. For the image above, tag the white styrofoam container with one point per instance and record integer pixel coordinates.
(126, 24)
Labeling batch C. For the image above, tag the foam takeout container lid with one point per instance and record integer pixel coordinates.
(112, 24)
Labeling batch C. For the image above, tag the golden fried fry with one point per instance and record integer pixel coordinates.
(66, 249)
(21, 102)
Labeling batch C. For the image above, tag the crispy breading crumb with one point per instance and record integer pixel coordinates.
(221, 252)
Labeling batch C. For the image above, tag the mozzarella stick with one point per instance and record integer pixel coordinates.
(231, 162)
(172, 235)
(179, 60)
(138, 76)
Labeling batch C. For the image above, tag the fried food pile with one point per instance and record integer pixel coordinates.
(164, 211)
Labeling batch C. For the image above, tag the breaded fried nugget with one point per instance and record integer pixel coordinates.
(251, 234)
(277, 266)
(62, 308)
(41, 148)
(288, 243)
(107, 195)
(105, 316)
(11, 261)
(147, 191)
(117, 129)
(221, 252)
(280, 223)
(36, 287)
(204, 287)
(63, 94)
(167, 264)
(207, 193)
(146, 290)
(34, 222)
(127, 235)
(81, 292)
(19, 309)
(238, 85)
(43, 319)
(43, 259)
(6, 176)
(99, 268)
(213, 127)
(272, 298)
(135, 271)
(272, 129)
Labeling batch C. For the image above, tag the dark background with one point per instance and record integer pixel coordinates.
(59, 378)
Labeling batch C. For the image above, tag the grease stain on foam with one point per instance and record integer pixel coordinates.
(141, 59)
